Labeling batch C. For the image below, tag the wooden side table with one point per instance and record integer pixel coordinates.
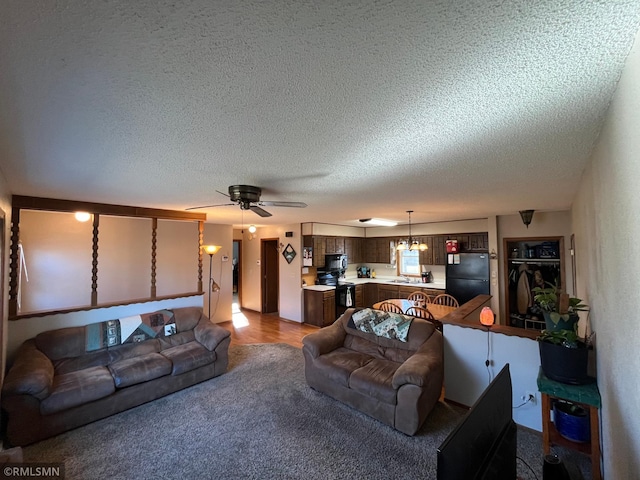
(588, 397)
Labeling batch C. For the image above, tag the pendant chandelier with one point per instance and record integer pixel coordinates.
(411, 244)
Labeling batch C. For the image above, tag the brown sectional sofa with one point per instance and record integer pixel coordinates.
(396, 382)
(55, 384)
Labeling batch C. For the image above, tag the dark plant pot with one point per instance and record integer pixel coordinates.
(569, 324)
(572, 422)
(565, 365)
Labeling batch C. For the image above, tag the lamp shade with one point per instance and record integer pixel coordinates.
(487, 317)
(211, 249)
(526, 216)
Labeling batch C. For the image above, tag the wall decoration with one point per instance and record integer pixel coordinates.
(289, 253)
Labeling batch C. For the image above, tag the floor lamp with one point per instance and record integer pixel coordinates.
(213, 286)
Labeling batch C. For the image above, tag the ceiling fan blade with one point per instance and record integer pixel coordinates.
(283, 204)
(259, 211)
(209, 206)
(222, 193)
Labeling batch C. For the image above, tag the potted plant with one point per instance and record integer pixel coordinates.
(560, 311)
(564, 356)
(571, 421)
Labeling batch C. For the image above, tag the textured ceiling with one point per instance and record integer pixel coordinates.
(454, 109)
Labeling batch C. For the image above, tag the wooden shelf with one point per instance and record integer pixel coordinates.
(586, 396)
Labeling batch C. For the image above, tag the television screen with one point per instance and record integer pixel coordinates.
(483, 444)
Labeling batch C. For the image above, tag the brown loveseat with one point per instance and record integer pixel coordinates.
(396, 382)
(65, 378)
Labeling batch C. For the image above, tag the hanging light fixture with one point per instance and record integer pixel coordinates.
(411, 244)
(526, 216)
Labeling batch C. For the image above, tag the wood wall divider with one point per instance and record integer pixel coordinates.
(19, 202)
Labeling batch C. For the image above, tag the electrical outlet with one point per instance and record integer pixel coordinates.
(531, 396)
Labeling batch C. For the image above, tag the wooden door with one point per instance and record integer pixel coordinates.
(270, 275)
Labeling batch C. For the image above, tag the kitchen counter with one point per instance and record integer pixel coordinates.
(438, 285)
(319, 288)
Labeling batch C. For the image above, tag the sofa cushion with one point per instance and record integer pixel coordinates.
(132, 350)
(75, 388)
(62, 343)
(177, 339)
(374, 380)
(340, 363)
(139, 369)
(188, 356)
(100, 358)
(187, 318)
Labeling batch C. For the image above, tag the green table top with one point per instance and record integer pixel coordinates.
(587, 394)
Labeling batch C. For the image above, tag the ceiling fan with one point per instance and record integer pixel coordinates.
(248, 197)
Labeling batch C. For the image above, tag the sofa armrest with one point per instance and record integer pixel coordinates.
(325, 340)
(209, 334)
(428, 359)
(31, 373)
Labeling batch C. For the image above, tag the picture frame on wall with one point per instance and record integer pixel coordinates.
(289, 253)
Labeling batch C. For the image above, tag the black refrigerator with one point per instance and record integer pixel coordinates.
(467, 275)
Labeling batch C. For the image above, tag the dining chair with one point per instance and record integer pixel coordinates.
(419, 298)
(446, 299)
(390, 307)
(420, 312)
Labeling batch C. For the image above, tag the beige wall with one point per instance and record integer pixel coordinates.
(290, 286)
(607, 229)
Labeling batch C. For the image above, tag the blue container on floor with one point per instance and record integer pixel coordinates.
(572, 421)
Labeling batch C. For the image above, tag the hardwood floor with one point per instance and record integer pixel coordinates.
(249, 326)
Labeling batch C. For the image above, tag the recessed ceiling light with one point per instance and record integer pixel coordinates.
(379, 221)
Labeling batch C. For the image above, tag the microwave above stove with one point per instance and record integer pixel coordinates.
(335, 261)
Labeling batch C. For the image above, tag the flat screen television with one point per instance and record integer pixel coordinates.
(483, 444)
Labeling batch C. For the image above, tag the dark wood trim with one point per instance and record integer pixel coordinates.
(105, 305)
(154, 243)
(94, 261)
(58, 205)
(200, 244)
(468, 316)
(13, 262)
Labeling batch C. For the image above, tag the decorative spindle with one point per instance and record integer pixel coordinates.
(94, 261)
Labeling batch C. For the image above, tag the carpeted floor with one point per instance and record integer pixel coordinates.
(259, 420)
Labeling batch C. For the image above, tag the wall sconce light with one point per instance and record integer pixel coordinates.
(493, 255)
(526, 216)
(83, 216)
(213, 286)
(252, 229)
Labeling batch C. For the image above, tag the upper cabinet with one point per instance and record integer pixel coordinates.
(381, 249)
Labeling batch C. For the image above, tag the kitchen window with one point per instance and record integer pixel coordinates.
(409, 262)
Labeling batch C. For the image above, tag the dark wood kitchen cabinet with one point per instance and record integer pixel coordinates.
(353, 248)
(334, 244)
(378, 250)
(370, 294)
(385, 292)
(359, 300)
(319, 307)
